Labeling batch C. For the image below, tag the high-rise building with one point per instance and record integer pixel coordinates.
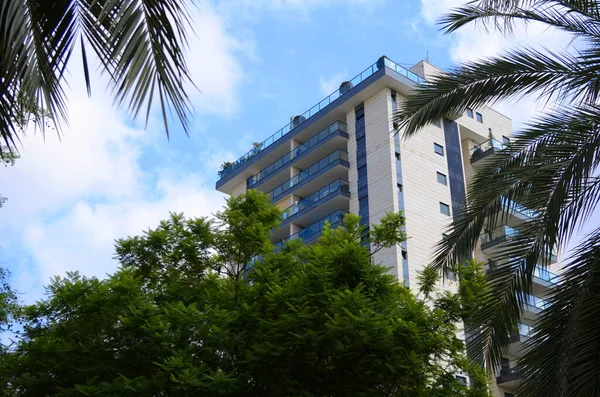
(345, 155)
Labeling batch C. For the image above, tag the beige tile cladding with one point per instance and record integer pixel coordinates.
(352, 172)
(381, 173)
(425, 224)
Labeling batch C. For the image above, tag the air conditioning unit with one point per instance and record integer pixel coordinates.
(297, 120)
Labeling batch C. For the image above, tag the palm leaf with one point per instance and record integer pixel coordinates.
(140, 44)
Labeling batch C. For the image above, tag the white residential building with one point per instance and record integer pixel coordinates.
(344, 155)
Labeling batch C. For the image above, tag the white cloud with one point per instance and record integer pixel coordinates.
(68, 200)
(330, 84)
(472, 43)
(213, 64)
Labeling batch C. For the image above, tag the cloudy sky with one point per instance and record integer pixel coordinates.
(256, 63)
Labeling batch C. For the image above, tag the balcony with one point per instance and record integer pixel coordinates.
(315, 146)
(516, 213)
(543, 280)
(507, 377)
(517, 347)
(313, 231)
(337, 162)
(328, 199)
(491, 241)
(534, 305)
(491, 238)
(481, 151)
(323, 106)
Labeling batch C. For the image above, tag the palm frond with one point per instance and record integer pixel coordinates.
(580, 21)
(513, 75)
(563, 360)
(551, 170)
(140, 44)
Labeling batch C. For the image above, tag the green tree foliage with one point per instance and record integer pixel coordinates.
(186, 316)
(551, 168)
(139, 44)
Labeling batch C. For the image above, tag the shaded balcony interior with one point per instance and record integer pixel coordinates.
(319, 145)
(492, 240)
(329, 168)
(507, 375)
(328, 199)
(479, 152)
(310, 233)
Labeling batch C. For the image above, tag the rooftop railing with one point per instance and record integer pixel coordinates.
(298, 120)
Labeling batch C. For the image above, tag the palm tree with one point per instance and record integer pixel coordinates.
(139, 44)
(552, 168)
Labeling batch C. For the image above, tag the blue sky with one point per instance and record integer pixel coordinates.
(256, 62)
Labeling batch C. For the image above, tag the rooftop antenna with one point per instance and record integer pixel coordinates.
(427, 56)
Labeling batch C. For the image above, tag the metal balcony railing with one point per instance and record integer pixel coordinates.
(335, 219)
(338, 185)
(290, 156)
(490, 144)
(309, 172)
(380, 64)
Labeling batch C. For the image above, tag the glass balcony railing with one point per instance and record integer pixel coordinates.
(508, 374)
(502, 233)
(335, 219)
(290, 156)
(382, 62)
(544, 274)
(525, 330)
(309, 172)
(499, 233)
(536, 302)
(512, 206)
(334, 187)
(485, 146)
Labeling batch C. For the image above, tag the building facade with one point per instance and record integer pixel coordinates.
(345, 155)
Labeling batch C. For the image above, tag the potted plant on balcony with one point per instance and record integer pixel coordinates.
(381, 62)
(256, 148)
(224, 166)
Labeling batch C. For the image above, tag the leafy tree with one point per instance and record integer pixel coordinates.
(552, 168)
(139, 44)
(186, 316)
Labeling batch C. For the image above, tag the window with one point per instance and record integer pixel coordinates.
(470, 112)
(438, 123)
(450, 275)
(439, 149)
(462, 380)
(404, 255)
(397, 156)
(399, 187)
(479, 117)
(444, 208)
(441, 178)
(444, 236)
(505, 140)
